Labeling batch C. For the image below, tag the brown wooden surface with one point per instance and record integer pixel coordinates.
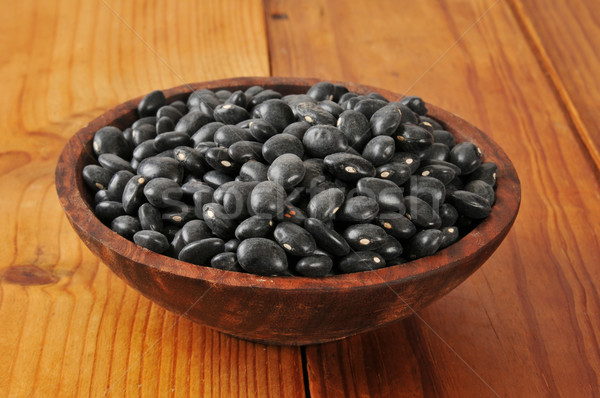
(526, 324)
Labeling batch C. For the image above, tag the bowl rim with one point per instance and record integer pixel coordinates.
(489, 232)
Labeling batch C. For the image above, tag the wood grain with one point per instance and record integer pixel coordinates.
(566, 39)
(527, 323)
(70, 327)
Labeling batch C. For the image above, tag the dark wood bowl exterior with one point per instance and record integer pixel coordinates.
(285, 310)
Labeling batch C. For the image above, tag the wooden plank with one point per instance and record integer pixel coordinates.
(566, 38)
(69, 326)
(527, 323)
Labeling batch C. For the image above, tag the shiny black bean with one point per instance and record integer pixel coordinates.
(151, 103)
(150, 218)
(220, 223)
(202, 251)
(449, 236)
(160, 166)
(368, 106)
(204, 101)
(192, 121)
(230, 113)
(117, 183)
(202, 147)
(192, 160)
(226, 261)
(219, 193)
(262, 257)
(421, 213)
(101, 196)
(263, 96)
(470, 204)
(396, 172)
(252, 91)
(227, 135)
(113, 163)
(170, 112)
(390, 250)
(388, 195)
(487, 172)
(133, 194)
(314, 115)
(144, 120)
(243, 151)
(448, 214)
(424, 243)
(436, 125)
(202, 196)
(297, 129)
(162, 192)
(164, 125)
(144, 150)
(361, 261)
(231, 245)
(286, 170)
(267, 198)
(314, 265)
(482, 189)
(444, 137)
(292, 213)
(455, 185)
(238, 98)
(195, 230)
(253, 171)
(396, 225)
(327, 238)
(216, 178)
(261, 130)
(443, 173)
(206, 132)
(178, 215)
(325, 204)
(331, 107)
(110, 140)
(358, 209)
(364, 236)
(108, 210)
(145, 132)
(409, 159)
(259, 226)
(321, 91)
(280, 144)
(126, 226)
(294, 239)
(467, 156)
(235, 199)
(426, 188)
(348, 167)
(413, 139)
(218, 158)
(180, 106)
(416, 104)
(96, 177)
(151, 240)
(275, 112)
(356, 128)
(385, 120)
(439, 151)
(379, 150)
(171, 140)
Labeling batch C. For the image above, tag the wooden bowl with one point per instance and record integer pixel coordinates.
(284, 310)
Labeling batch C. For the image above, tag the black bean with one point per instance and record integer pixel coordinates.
(421, 213)
(178, 215)
(424, 243)
(162, 192)
(110, 140)
(254, 227)
(314, 265)
(364, 236)
(202, 196)
(409, 159)
(379, 150)
(133, 194)
(327, 238)
(297, 129)
(368, 106)
(253, 171)
(286, 170)
(202, 251)
(226, 261)
(252, 91)
(292, 213)
(150, 218)
(356, 128)
(470, 204)
(164, 125)
(313, 114)
(482, 189)
(151, 103)
(203, 101)
(219, 193)
(206, 132)
(396, 172)
(426, 188)
(113, 163)
(143, 133)
(267, 198)
(171, 140)
(275, 112)
(361, 261)
(230, 113)
(227, 135)
(180, 106)
(436, 125)
(359, 209)
(195, 230)
(238, 98)
(170, 112)
(262, 256)
(235, 199)
(413, 139)
(160, 166)
(192, 121)
(218, 158)
(346, 96)
(294, 239)
(396, 225)
(467, 156)
(385, 120)
(117, 183)
(223, 94)
(321, 91)
(487, 172)
(449, 236)
(243, 151)
(216, 178)
(416, 104)
(126, 226)
(443, 173)
(220, 223)
(439, 151)
(444, 137)
(96, 177)
(108, 210)
(261, 130)
(448, 214)
(280, 144)
(144, 120)
(144, 150)
(331, 107)
(151, 240)
(390, 250)
(348, 167)
(388, 195)
(101, 196)
(325, 204)
(338, 92)
(263, 96)
(191, 160)
(408, 116)
(231, 245)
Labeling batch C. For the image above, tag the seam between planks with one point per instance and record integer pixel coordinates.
(533, 40)
(266, 9)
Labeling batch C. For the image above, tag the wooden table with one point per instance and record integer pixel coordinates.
(527, 324)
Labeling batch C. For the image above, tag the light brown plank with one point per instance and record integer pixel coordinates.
(566, 38)
(527, 323)
(70, 327)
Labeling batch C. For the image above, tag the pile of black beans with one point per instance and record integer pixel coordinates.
(311, 184)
